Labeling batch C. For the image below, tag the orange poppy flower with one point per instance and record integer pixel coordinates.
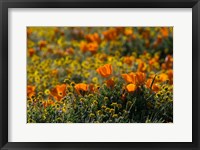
(142, 66)
(164, 31)
(92, 47)
(93, 38)
(31, 52)
(131, 87)
(110, 34)
(128, 32)
(135, 78)
(81, 87)
(148, 83)
(164, 66)
(128, 60)
(105, 71)
(169, 59)
(162, 77)
(158, 41)
(155, 87)
(130, 78)
(83, 46)
(59, 91)
(91, 88)
(48, 103)
(140, 78)
(119, 29)
(170, 75)
(29, 31)
(42, 43)
(30, 91)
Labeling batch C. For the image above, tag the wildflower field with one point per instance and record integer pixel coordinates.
(99, 74)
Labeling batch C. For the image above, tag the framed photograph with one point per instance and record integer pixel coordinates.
(100, 75)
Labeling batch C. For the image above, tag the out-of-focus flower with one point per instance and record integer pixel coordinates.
(170, 75)
(130, 78)
(81, 87)
(168, 62)
(137, 78)
(140, 78)
(92, 47)
(131, 87)
(110, 34)
(30, 90)
(59, 92)
(158, 41)
(162, 77)
(42, 43)
(128, 60)
(164, 31)
(93, 38)
(70, 51)
(105, 71)
(31, 52)
(155, 87)
(83, 46)
(128, 31)
(47, 103)
(142, 66)
(29, 31)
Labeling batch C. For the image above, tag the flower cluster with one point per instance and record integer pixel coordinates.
(99, 74)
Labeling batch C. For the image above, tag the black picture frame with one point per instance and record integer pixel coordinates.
(6, 4)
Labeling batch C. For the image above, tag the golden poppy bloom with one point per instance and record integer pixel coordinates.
(131, 87)
(92, 47)
(30, 91)
(155, 87)
(128, 60)
(29, 31)
(93, 38)
(42, 43)
(170, 76)
(81, 87)
(130, 78)
(140, 78)
(83, 46)
(164, 31)
(48, 103)
(31, 52)
(158, 41)
(162, 77)
(59, 92)
(137, 78)
(91, 88)
(105, 71)
(142, 66)
(128, 31)
(110, 34)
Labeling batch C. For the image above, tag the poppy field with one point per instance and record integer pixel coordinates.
(99, 74)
